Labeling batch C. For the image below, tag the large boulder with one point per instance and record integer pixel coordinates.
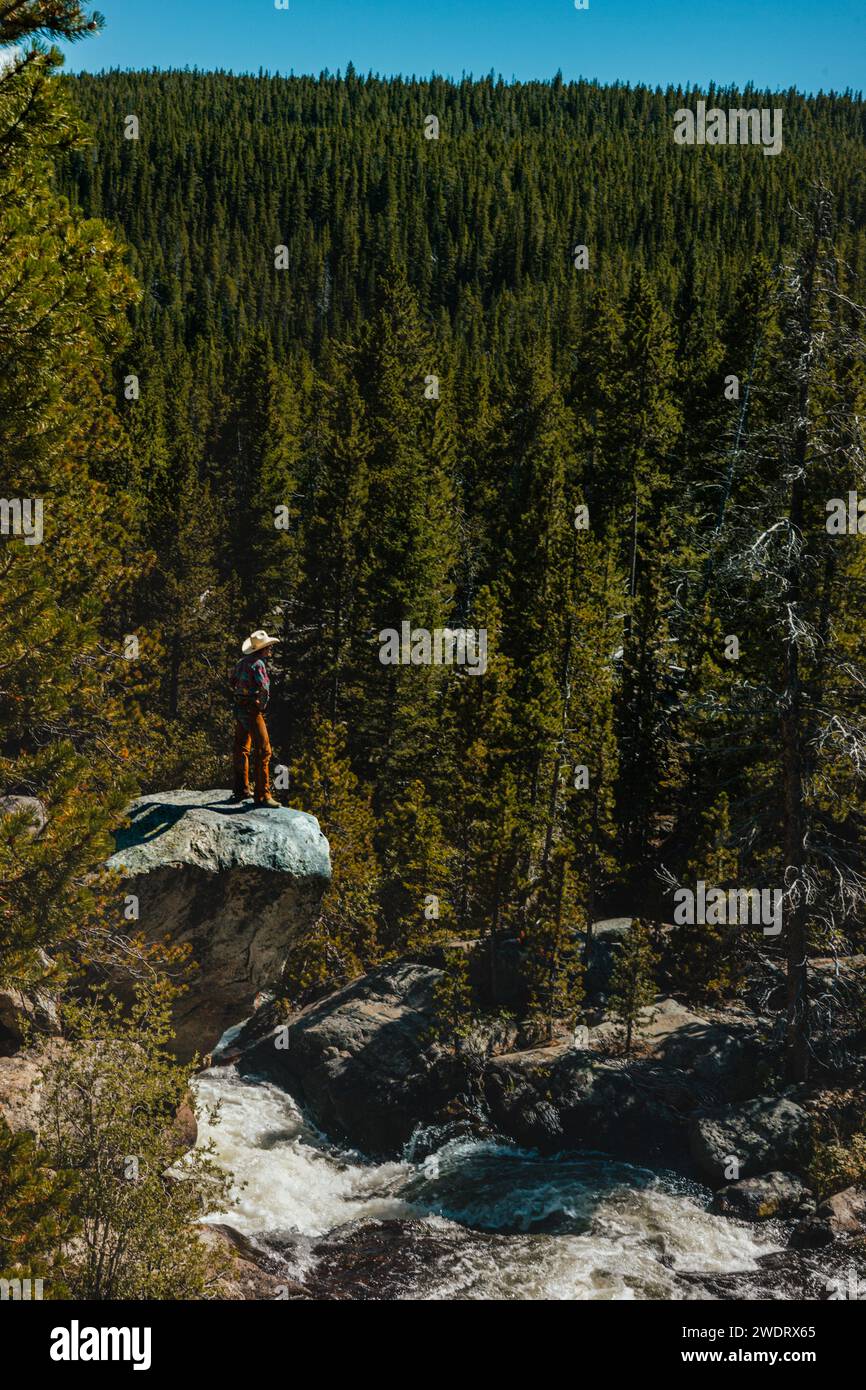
(560, 1097)
(588, 1096)
(724, 1056)
(761, 1135)
(364, 1061)
(846, 1211)
(365, 1064)
(233, 883)
(241, 1270)
(785, 1276)
(771, 1197)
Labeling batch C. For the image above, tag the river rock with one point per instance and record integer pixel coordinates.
(385, 1260)
(784, 1276)
(234, 883)
(364, 1062)
(184, 1125)
(241, 1270)
(725, 1056)
(638, 1108)
(839, 1217)
(561, 1098)
(762, 1135)
(771, 1196)
(846, 1211)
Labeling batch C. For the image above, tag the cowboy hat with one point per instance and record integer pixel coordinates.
(257, 640)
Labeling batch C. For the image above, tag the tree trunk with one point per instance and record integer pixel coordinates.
(796, 1029)
(797, 1001)
(792, 732)
(494, 930)
(174, 677)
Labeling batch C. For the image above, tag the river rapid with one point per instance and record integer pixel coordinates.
(467, 1218)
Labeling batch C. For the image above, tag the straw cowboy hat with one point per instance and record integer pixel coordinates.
(257, 640)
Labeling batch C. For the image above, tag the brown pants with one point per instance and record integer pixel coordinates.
(251, 735)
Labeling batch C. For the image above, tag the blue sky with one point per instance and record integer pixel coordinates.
(810, 44)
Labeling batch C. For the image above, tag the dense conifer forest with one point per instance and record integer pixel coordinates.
(372, 379)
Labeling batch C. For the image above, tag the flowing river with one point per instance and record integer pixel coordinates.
(488, 1220)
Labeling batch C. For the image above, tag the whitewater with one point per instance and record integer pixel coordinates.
(567, 1227)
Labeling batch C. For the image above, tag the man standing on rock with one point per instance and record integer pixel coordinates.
(251, 687)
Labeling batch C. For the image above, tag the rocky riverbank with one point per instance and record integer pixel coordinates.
(395, 1260)
(380, 1163)
(365, 1067)
(480, 1218)
(365, 1064)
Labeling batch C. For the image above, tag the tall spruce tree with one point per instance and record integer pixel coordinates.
(632, 986)
(67, 695)
(781, 574)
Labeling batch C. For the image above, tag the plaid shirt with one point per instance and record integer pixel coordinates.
(250, 682)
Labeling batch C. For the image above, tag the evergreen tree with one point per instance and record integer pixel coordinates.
(554, 968)
(780, 575)
(329, 646)
(482, 817)
(68, 713)
(415, 904)
(344, 941)
(260, 454)
(709, 956)
(632, 988)
(452, 1000)
(108, 1104)
(411, 552)
(36, 1219)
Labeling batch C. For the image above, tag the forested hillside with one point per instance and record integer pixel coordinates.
(483, 220)
(372, 381)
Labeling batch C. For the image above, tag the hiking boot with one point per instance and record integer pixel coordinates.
(266, 801)
(237, 797)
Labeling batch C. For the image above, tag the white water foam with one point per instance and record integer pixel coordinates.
(568, 1227)
(286, 1178)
